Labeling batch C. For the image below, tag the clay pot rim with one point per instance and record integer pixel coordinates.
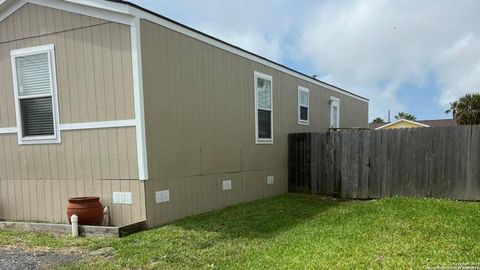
(83, 199)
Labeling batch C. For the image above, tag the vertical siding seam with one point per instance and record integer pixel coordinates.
(124, 104)
(94, 74)
(112, 79)
(67, 70)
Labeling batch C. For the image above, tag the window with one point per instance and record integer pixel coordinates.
(263, 108)
(34, 86)
(303, 105)
(334, 112)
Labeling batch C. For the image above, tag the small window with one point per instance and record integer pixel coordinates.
(303, 105)
(263, 108)
(36, 106)
(334, 112)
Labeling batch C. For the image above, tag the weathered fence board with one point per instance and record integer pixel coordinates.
(421, 162)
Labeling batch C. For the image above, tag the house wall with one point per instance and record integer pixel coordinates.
(402, 124)
(200, 127)
(94, 77)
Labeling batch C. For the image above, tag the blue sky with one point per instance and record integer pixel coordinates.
(413, 55)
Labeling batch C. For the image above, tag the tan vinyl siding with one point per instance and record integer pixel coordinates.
(94, 76)
(40, 178)
(93, 59)
(200, 124)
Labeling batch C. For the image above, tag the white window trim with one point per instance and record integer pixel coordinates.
(334, 101)
(55, 138)
(265, 77)
(304, 90)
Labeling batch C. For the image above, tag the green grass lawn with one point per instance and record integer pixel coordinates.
(295, 232)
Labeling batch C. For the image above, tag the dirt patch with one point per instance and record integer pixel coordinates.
(16, 258)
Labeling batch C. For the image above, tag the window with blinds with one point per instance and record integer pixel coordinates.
(263, 108)
(34, 92)
(303, 105)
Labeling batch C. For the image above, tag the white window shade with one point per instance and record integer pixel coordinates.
(264, 94)
(33, 73)
(304, 98)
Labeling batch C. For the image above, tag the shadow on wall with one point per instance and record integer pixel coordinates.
(262, 219)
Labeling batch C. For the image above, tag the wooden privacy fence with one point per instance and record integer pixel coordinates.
(420, 162)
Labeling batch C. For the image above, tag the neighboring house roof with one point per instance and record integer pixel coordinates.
(419, 123)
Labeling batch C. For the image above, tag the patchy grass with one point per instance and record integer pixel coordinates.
(291, 232)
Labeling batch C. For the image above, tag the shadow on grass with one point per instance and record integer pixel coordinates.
(224, 233)
(260, 219)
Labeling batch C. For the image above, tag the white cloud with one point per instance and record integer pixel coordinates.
(375, 46)
(371, 47)
(262, 27)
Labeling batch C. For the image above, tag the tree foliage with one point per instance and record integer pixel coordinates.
(378, 120)
(406, 116)
(466, 110)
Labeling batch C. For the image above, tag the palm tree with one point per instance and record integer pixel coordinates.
(378, 120)
(406, 116)
(453, 109)
(466, 110)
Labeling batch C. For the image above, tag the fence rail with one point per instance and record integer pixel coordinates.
(421, 162)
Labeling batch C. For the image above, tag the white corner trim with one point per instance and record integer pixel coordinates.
(256, 75)
(305, 90)
(100, 124)
(9, 130)
(139, 100)
(402, 120)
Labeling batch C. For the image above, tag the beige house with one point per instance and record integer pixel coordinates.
(161, 121)
(404, 123)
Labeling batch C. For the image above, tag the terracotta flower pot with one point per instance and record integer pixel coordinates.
(88, 209)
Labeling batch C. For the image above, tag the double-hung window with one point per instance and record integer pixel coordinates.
(303, 105)
(263, 108)
(334, 112)
(36, 103)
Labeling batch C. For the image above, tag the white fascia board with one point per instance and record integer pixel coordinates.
(12, 8)
(105, 5)
(109, 11)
